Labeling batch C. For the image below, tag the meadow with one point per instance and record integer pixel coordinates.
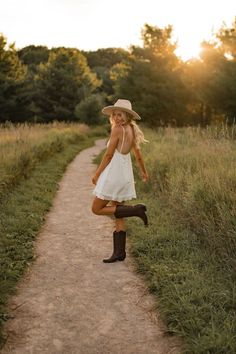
(33, 159)
(187, 255)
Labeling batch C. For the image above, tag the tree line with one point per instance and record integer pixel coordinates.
(38, 84)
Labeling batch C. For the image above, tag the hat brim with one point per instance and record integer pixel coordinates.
(109, 109)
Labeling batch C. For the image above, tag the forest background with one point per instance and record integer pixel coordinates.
(41, 85)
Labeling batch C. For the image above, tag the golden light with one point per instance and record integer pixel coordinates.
(188, 48)
(90, 25)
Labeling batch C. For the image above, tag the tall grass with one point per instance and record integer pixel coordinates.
(22, 146)
(195, 173)
(188, 252)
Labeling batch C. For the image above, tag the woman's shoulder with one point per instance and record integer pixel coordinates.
(116, 130)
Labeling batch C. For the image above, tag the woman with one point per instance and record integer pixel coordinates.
(114, 178)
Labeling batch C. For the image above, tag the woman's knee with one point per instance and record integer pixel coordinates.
(97, 206)
(95, 209)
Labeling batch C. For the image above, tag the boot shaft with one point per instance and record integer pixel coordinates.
(139, 210)
(119, 243)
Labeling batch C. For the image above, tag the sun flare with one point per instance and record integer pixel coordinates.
(188, 51)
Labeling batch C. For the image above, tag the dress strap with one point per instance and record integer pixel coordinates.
(122, 139)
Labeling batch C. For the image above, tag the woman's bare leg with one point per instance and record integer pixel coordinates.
(99, 207)
(120, 223)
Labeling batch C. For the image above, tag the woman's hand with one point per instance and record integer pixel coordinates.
(145, 176)
(94, 179)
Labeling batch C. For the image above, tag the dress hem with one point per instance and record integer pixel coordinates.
(111, 198)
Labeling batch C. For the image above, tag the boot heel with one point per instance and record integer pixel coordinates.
(143, 215)
(121, 258)
(146, 221)
(119, 241)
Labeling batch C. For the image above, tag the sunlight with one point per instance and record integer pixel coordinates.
(229, 56)
(188, 50)
(84, 25)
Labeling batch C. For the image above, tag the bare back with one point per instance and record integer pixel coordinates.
(126, 139)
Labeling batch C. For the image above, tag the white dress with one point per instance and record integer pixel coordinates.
(116, 182)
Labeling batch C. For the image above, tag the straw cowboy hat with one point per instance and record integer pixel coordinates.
(124, 105)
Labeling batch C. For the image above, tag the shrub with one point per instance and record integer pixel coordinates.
(89, 110)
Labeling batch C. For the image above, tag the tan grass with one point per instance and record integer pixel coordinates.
(194, 169)
(22, 145)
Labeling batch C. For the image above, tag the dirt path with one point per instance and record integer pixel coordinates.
(69, 301)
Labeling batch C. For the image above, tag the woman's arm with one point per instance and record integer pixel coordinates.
(140, 163)
(114, 138)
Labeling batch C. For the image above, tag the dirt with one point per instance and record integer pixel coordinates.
(69, 301)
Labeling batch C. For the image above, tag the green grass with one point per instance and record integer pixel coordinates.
(188, 252)
(23, 210)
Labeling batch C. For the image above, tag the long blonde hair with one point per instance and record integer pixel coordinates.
(138, 134)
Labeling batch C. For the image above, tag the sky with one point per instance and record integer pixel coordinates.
(94, 24)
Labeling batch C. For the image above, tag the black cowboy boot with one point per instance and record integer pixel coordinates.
(121, 254)
(123, 211)
(119, 241)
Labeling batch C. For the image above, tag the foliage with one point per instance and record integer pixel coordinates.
(106, 57)
(101, 62)
(62, 83)
(157, 40)
(12, 75)
(227, 38)
(32, 56)
(89, 110)
(151, 78)
(211, 80)
(40, 85)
